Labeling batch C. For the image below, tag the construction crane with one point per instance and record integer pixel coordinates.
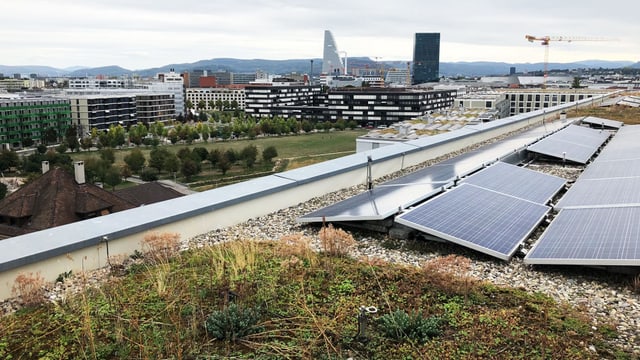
(545, 40)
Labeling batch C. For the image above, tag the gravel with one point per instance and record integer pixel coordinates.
(607, 297)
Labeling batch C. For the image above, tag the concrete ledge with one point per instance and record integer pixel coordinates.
(81, 246)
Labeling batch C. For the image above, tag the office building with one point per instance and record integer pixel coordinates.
(384, 106)
(426, 58)
(331, 62)
(299, 101)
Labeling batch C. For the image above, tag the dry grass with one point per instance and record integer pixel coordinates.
(335, 242)
(29, 288)
(628, 115)
(450, 272)
(160, 247)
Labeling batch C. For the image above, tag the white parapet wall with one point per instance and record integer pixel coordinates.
(88, 245)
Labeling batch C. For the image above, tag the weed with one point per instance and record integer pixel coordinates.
(160, 247)
(400, 325)
(450, 273)
(233, 322)
(64, 276)
(29, 288)
(335, 242)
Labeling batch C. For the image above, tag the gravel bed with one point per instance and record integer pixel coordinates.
(607, 297)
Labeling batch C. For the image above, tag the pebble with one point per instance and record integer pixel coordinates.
(607, 297)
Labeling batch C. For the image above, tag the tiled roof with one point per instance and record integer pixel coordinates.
(55, 199)
(148, 193)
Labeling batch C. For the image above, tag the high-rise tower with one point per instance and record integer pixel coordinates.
(331, 62)
(426, 58)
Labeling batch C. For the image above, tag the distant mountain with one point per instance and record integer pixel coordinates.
(104, 70)
(477, 68)
(31, 69)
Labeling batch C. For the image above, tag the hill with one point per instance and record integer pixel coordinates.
(477, 68)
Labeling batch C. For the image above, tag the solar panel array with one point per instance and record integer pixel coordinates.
(492, 211)
(598, 219)
(573, 143)
(386, 199)
(518, 181)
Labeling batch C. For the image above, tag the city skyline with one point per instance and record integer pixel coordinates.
(145, 34)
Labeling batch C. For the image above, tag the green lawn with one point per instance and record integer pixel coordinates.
(313, 148)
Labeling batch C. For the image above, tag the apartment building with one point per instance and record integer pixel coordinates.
(31, 118)
(213, 95)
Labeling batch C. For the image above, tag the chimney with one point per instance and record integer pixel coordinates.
(78, 167)
(45, 167)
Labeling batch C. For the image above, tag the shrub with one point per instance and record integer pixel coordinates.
(399, 325)
(335, 241)
(233, 322)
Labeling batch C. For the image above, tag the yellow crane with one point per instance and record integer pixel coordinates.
(545, 40)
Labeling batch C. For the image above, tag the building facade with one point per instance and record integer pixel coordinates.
(102, 111)
(31, 118)
(331, 61)
(496, 105)
(211, 96)
(171, 83)
(384, 106)
(299, 101)
(426, 58)
(154, 107)
(524, 101)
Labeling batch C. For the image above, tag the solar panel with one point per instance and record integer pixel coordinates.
(604, 123)
(594, 236)
(378, 203)
(518, 181)
(602, 192)
(573, 143)
(600, 169)
(478, 218)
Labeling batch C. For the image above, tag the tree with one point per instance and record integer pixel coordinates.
(112, 177)
(249, 154)
(200, 153)
(71, 138)
(86, 143)
(3, 190)
(135, 160)
(171, 163)
(125, 171)
(269, 153)
(8, 159)
(223, 164)
(50, 136)
(576, 83)
(96, 169)
(189, 168)
(107, 154)
(27, 142)
(157, 157)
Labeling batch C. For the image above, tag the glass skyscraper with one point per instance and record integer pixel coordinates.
(426, 58)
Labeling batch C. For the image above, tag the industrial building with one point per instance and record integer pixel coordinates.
(30, 118)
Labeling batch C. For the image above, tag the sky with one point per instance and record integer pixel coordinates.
(141, 34)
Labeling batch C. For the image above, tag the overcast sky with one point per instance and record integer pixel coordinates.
(139, 34)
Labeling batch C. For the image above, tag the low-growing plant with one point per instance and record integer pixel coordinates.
(335, 242)
(29, 287)
(400, 325)
(160, 247)
(233, 322)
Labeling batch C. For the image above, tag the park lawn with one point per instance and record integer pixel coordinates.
(315, 147)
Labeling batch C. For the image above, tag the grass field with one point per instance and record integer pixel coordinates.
(312, 148)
